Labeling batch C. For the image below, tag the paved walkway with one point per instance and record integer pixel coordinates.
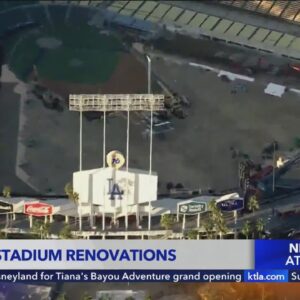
(20, 88)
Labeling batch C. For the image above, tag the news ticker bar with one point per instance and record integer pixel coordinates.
(105, 276)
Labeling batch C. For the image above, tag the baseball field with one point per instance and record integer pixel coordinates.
(69, 58)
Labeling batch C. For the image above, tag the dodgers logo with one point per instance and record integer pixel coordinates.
(114, 190)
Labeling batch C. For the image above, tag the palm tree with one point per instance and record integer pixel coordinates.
(68, 189)
(46, 229)
(105, 297)
(6, 191)
(41, 228)
(62, 297)
(86, 297)
(3, 235)
(260, 226)
(66, 232)
(192, 234)
(7, 194)
(217, 218)
(74, 197)
(221, 227)
(253, 204)
(169, 186)
(36, 226)
(212, 206)
(167, 221)
(209, 228)
(246, 229)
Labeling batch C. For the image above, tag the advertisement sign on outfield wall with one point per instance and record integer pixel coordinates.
(38, 209)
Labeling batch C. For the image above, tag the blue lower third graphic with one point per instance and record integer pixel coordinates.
(266, 276)
(294, 276)
(277, 254)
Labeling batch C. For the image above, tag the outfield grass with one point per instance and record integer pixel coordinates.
(7, 4)
(22, 57)
(98, 54)
(97, 66)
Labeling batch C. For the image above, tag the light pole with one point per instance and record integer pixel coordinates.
(151, 114)
(80, 137)
(149, 73)
(235, 215)
(151, 135)
(273, 185)
(103, 160)
(117, 102)
(127, 164)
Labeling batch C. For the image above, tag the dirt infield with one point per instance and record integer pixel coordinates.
(129, 77)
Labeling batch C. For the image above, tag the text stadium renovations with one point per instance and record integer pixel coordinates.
(88, 255)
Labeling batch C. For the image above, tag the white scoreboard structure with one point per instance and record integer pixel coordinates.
(112, 190)
(114, 193)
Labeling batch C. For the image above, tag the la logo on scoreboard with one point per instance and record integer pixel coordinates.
(114, 190)
(117, 188)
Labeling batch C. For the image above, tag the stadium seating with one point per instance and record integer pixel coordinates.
(150, 12)
(284, 9)
(130, 8)
(278, 8)
(84, 2)
(239, 3)
(291, 11)
(227, 2)
(96, 3)
(252, 5)
(265, 6)
(116, 6)
(297, 18)
(146, 9)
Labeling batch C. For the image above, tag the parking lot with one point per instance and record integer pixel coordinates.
(219, 120)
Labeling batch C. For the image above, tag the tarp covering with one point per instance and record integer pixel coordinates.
(274, 89)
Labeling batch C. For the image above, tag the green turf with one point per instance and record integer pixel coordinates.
(98, 54)
(96, 66)
(22, 56)
(7, 4)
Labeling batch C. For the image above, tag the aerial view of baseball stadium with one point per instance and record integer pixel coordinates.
(149, 120)
(56, 53)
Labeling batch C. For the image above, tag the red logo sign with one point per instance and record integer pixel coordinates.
(38, 209)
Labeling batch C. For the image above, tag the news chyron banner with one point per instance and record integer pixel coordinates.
(149, 261)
